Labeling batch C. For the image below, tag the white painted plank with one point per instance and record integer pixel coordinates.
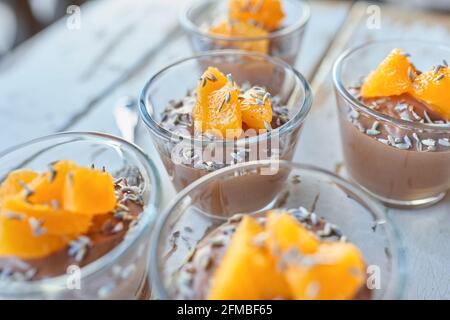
(326, 20)
(59, 74)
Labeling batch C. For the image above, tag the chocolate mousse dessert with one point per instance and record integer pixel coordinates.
(219, 120)
(69, 216)
(398, 146)
(288, 254)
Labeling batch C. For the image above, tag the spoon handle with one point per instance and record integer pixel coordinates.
(126, 118)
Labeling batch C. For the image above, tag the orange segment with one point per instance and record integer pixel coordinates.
(17, 239)
(285, 233)
(242, 30)
(266, 13)
(15, 181)
(40, 214)
(224, 112)
(247, 270)
(217, 108)
(256, 108)
(55, 220)
(338, 273)
(49, 186)
(211, 80)
(433, 88)
(89, 191)
(392, 77)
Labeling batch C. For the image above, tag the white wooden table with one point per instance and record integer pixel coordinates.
(70, 80)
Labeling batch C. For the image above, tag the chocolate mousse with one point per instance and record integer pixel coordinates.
(52, 247)
(195, 279)
(220, 135)
(405, 159)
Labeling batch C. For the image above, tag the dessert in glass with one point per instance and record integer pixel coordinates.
(394, 112)
(320, 238)
(221, 108)
(273, 27)
(76, 212)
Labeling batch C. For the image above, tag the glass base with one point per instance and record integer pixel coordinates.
(407, 204)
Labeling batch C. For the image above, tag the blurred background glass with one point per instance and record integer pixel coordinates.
(21, 19)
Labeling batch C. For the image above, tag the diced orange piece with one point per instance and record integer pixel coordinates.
(247, 270)
(49, 186)
(266, 13)
(18, 240)
(217, 108)
(242, 30)
(256, 108)
(433, 88)
(55, 220)
(392, 77)
(211, 80)
(285, 233)
(13, 184)
(338, 274)
(40, 214)
(89, 191)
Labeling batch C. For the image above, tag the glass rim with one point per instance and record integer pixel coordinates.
(57, 283)
(189, 25)
(168, 135)
(343, 91)
(395, 287)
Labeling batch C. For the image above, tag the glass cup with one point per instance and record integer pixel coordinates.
(411, 167)
(183, 224)
(122, 272)
(205, 155)
(283, 43)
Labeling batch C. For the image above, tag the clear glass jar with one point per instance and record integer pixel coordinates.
(172, 83)
(187, 220)
(284, 43)
(407, 164)
(122, 272)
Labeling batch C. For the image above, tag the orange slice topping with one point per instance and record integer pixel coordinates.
(285, 260)
(242, 30)
(337, 272)
(49, 186)
(285, 233)
(221, 110)
(54, 219)
(41, 213)
(247, 271)
(89, 192)
(18, 239)
(433, 88)
(392, 77)
(256, 108)
(268, 14)
(217, 109)
(15, 182)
